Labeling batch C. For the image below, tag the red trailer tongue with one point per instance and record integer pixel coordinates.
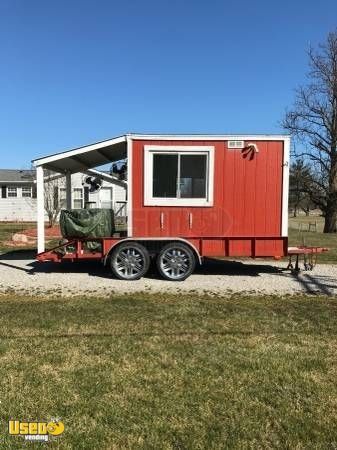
(309, 256)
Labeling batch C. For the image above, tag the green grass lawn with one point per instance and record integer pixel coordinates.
(172, 372)
(295, 222)
(7, 229)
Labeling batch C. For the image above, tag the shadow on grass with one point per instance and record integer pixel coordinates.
(17, 254)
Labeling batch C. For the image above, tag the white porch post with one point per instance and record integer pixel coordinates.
(40, 208)
(68, 190)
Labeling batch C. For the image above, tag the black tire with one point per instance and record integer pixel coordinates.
(176, 261)
(129, 261)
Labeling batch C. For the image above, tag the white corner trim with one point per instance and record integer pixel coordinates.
(69, 191)
(129, 206)
(150, 150)
(285, 186)
(40, 209)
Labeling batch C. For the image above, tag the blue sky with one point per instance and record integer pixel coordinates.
(75, 72)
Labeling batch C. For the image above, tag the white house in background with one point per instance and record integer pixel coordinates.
(18, 195)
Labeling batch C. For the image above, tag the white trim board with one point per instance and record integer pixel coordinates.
(210, 137)
(129, 192)
(40, 209)
(285, 186)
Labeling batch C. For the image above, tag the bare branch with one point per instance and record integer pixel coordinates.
(313, 122)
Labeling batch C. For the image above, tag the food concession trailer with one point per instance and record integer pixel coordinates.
(188, 197)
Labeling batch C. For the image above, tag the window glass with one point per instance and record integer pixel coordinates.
(188, 172)
(193, 176)
(26, 191)
(165, 172)
(12, 192)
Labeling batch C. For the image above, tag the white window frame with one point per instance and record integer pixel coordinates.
(79, 189)
(111, 189)
(150, 150)
(16, 192)
(61, 198)
(30, 192)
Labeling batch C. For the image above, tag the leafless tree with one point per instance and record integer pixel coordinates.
(313, 122)
(301, 187)
(52, 201)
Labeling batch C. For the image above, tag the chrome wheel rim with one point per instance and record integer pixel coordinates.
(129, 263)
(175, 263)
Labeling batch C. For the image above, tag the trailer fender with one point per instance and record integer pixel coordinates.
(151, 239)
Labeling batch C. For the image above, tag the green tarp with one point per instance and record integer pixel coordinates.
(83, 223)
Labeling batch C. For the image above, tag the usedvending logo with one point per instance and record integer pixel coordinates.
(36, 431)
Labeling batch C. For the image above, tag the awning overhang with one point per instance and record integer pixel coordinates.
(84, 158)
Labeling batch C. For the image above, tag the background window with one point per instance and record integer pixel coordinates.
(12, 192)
(26, 191)
(105, 196)
(78, 198)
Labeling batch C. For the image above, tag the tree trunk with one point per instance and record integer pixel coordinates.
(51, 220)
(330, 225)
(330, 222)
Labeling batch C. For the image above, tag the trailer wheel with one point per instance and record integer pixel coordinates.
(129, 261)
(176, 261)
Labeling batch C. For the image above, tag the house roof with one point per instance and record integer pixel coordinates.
(84, 158)
(103, 152)
(16, 176)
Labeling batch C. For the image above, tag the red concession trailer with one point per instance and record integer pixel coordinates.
(188, 197)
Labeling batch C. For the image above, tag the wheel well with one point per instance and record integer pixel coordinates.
(154, 246)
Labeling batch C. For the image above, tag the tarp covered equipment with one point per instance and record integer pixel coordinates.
(87, 223)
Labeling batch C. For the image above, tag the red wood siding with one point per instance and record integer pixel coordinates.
(247, 201)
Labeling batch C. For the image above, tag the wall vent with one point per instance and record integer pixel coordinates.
(236, 144)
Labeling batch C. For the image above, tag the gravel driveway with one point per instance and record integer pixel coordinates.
(19, 272)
